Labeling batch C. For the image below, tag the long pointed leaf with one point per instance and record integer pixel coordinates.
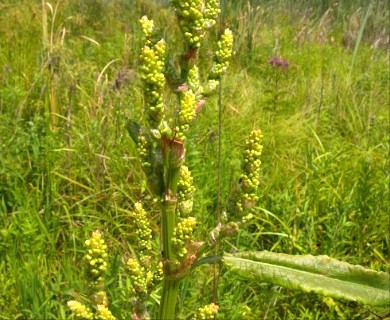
(319, 274)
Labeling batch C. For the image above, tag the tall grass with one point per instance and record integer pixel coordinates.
(325, 164)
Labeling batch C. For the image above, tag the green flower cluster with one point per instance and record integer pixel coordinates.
(250, 177)
(185, 191)
(223, 54)
(147, 29)
(143, 230)
(96, 258)
(191, 21)
(141, 276)
(152, 60)
(144, 146)
(138, 276)
(207, 312)
(210, 87)
(79, 310)
(102, 313)
(193, 79)
(186, 113)
(211, 12)
(182, 234)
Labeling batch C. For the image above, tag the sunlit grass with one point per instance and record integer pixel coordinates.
(324, 187)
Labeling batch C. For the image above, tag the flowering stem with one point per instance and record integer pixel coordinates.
(170, 284)
(168, 223)
(169, 298)
(173, 156)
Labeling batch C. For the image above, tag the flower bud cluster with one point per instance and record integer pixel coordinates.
(207, 312)
(147, 29)
(102, 313)
(141, 271)
(152, 60)
(182, 234)
(191, 20)
(193, 79)
(79, 310)
(143, 230)
(223, 54)
(144, 146)
(186, 113)
(185, 191)
(210, 87)
(211, 12)
(96, 258)
(140, 278)
(250, 177)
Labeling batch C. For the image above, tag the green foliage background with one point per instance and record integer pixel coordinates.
(325, 179)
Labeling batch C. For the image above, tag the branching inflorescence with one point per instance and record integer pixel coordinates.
(161, 144)
(96, 259)
(249, 179)
(161, 149)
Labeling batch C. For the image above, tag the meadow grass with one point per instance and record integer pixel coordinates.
(325, 120)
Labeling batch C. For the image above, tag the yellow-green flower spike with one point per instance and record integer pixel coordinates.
(79, 310)
(193, 79)
(100, 298)
(250, 177)
(210, 87)
(223, 54)
(185, 191)
(152, 60)
(191, 21)
(147, 28)
(102, 313)
(144, 147)
(183, 233)
(158, 273)
(137, 276)
(186, 113)
(96, 258)
(211, 12)
(207, 312)
(143, 230)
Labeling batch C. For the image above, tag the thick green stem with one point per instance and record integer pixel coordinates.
(173, 155)
(169, 298)
(168, 224)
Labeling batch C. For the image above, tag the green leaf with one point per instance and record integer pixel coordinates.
(319, 274)
(133, 128)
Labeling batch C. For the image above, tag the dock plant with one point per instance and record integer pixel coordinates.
(161, 142)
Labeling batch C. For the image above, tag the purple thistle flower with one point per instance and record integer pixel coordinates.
(279, 63)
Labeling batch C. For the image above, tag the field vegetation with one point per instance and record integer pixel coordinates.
(69, 84)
